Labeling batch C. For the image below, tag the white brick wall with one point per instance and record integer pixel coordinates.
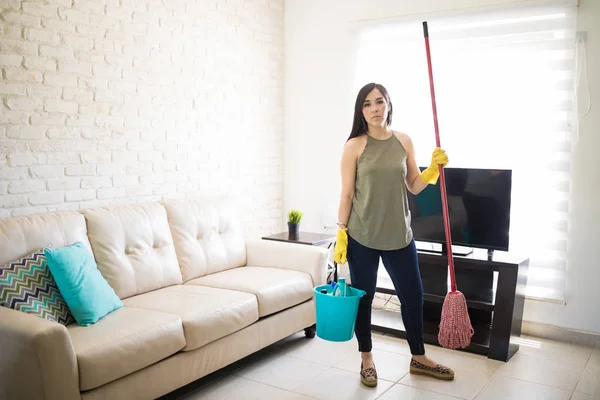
(113, 101)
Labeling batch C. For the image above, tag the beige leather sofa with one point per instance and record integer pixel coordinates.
(197, 296)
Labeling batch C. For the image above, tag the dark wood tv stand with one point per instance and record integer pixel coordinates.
(496, 310)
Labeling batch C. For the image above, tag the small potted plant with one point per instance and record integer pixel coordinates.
(294, 217)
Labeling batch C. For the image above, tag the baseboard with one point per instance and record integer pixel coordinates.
(559, 333)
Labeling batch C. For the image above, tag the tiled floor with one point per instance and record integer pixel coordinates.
(301, 369)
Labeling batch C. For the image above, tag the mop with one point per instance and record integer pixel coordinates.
(455, 325)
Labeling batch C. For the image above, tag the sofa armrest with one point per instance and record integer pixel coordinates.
(37, 359)
(298, 257)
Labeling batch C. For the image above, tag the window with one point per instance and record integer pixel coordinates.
(504, 89)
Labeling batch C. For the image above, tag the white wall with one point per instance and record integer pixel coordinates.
(114, 101)
(319, 104)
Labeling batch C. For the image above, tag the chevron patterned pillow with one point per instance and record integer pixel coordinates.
(27, 285)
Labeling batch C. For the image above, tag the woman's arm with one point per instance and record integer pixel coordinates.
(414, 184)
(348, 170)
(416, 180)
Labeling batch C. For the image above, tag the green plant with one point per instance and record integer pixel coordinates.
(294, 216)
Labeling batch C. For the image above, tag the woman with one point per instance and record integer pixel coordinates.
(378, 166)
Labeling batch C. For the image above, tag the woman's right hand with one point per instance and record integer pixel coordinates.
(341, 247)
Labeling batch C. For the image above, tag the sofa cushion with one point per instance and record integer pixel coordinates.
(207, 234)
(133, 247)
(24, 235)
(83, 287)
(123, 342)
(276, 289)
(27, 285)
(207, 313)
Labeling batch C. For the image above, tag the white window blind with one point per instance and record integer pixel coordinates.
(504, 89)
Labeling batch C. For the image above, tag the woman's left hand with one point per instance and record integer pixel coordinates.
(432, 173)
(439, 157)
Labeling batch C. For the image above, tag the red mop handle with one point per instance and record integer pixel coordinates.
(442, 177)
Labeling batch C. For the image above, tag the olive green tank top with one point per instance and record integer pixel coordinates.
(380, 215)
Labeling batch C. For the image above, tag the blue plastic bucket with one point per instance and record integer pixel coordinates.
(336, 315)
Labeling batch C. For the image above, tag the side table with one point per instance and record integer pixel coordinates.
(310, 239)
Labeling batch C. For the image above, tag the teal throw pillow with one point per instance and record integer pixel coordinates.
(83, 287)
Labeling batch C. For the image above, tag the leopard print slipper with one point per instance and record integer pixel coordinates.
(438, 372)
(368, 376)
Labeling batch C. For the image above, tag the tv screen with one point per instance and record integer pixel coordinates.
(478, 207)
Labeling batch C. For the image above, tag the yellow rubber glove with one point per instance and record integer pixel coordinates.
(432, 173)
(341, 247)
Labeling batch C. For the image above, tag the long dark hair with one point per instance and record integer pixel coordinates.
(359, 126)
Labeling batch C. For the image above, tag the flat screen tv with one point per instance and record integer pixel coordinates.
(479, 203)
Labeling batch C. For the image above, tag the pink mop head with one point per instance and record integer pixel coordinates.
(455, 327)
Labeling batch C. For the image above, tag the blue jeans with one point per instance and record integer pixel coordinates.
(403, 268)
